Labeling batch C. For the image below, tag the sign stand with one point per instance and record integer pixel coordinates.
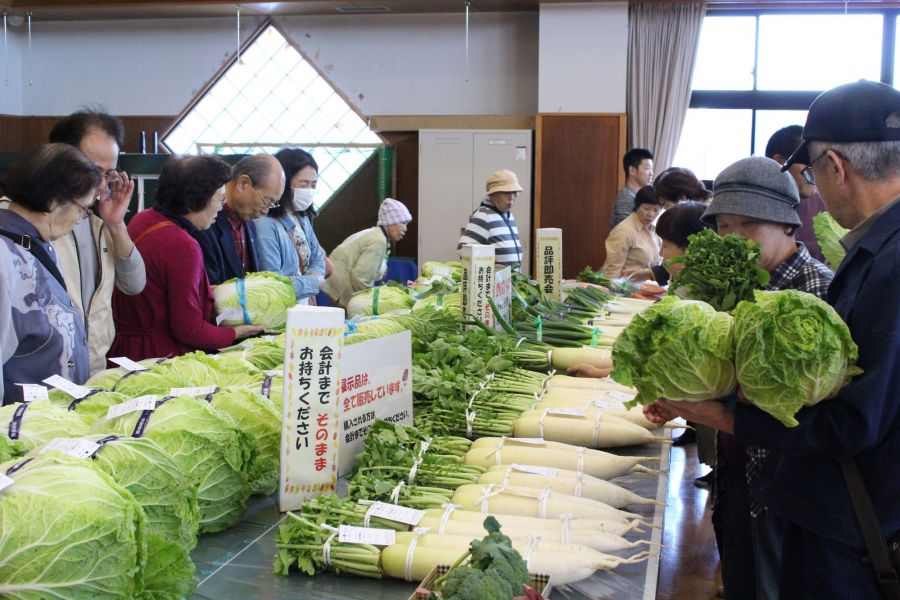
(548, 270)
(477, 282)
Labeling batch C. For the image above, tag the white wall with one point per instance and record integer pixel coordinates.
(583, 57)
(11, 95)
(135, 67)
(415, 64)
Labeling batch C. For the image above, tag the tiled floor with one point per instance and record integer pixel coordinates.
(689, 566)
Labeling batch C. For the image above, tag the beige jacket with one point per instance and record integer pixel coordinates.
(359, 262)
(631, 246)
(131, 279)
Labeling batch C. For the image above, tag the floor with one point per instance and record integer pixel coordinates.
(689, 565)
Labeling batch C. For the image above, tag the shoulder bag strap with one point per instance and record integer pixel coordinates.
(876, 546)
(38, 252)
(149, 230)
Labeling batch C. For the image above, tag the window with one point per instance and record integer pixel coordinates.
(759, 71)
(273, 98)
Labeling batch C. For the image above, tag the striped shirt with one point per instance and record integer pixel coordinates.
(490, 227)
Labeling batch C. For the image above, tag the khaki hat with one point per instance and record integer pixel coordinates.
(503, 181)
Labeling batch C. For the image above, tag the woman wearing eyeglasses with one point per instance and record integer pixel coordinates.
(173, 315)
(47, 193)
(287, 243)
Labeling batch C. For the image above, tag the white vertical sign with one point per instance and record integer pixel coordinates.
(310, 424)
(548, 269)
(477, 282)
(503, 294)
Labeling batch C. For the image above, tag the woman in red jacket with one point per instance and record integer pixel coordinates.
(174, 313)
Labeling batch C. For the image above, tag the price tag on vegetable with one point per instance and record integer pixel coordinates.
(548, 471)
(366, 535)
(128, 364)
(442, 271)
(609, 404)
(567, 412)
(76, 448)
(5, 482)
(32, 392)
(531, 441)
(230, 314)
(133, 405)
(623, 396)
(72, 389)
(193, 391)
(393, 512)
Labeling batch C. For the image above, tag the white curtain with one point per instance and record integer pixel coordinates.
(662, 48)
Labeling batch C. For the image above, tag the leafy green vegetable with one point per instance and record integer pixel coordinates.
(676, 349)
(469, 583)
(267, 298)
(829, 234)
(379, 301)
(791, 350)
(207, 445)
(42, 421)
(720, 271)
(69, 532)
(432, 268)
(91, 408)
(169, 572)
(590, 276)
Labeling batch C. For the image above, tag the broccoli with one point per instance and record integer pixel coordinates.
(469, 583)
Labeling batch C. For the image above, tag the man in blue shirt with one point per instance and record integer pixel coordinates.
(851, 144)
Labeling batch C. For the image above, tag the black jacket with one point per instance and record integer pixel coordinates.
(219, 254)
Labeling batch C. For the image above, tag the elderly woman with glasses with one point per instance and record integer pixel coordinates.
(174, 313)
(47, 193)
(287, 243)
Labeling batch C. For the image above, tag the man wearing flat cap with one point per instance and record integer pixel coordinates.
(838, 543)
(493, 224)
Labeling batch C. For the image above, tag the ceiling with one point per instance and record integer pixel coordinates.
(89, 10)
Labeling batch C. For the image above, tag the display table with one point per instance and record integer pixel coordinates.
(237, 563)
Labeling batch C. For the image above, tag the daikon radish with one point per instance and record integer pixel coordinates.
(590, 428)
(453, 513)
(564, 563)
(486, 452)
(533, 502)
(563, 358)
(592, 538)
(581, 486)
(605, 383)
(634, 415)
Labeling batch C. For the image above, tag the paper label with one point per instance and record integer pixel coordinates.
(567, 412)
(128, 364)
(33, 391)
(76, 448)
(72, 389)
(275, 373)
(135, 404)
(5, 482)
(393, 512)
(623, 396)
(230, 314)
(443, 271)
(609, 404)
(366, 535)
(194, 391)
(548, 471)
(532, 441)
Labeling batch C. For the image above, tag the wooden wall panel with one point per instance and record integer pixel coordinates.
(19, 134)
(577, 174)
(406, 185)
(353, 208)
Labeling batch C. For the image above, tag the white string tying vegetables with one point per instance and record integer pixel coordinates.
(326, 547)
(519, 342)
(412, 472)
(580, 467)
(448, 510)
(532, 542)
(395, 493)
(542, 503)
(484, 501)
(368, 516)
(541, 422)
(595, 436)
(579, 479)
(506, 476)
(470, 422)
(411, 552)
(498, 451)
(565, 527)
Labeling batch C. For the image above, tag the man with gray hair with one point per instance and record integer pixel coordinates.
(831, 547)
(229, 246)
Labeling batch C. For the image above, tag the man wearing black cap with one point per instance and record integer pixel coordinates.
(851, 144)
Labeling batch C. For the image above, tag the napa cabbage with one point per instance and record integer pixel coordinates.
(829, 234)
(791, 350)
(379, 301)
(41, 422)
(676, 349)
(262, 298)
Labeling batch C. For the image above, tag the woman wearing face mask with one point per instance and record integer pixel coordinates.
(287, 243)
(41, 334)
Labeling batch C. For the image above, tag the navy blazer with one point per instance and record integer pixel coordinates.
(802, 480)
(219, 254)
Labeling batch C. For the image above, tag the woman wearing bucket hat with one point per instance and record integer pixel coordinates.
(493, 224)
(753, 198)
(361, 259)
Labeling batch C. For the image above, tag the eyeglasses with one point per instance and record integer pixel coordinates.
(85, 211)
(807, 172)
